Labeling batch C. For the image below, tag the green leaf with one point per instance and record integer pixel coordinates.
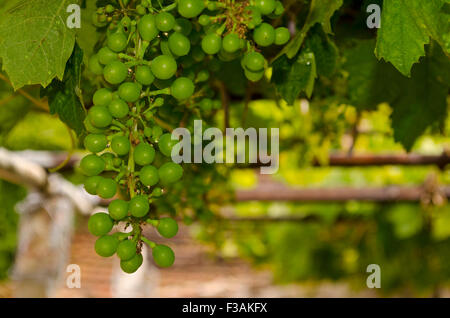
(292, 76)
(406, 26)
(321, 12)
(325, 51)
(424, 98)
(64, 96)
(370, 82)
(35, 42)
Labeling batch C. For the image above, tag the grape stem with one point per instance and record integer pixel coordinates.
(148, 242)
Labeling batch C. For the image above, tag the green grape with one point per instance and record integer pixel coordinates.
(144, 75)
(102, 97)
(197, 54)
(183, 26)
(256, 17)
(147, 132)
(165, 144)
(90, 185)
(90, 128)
(117, 42)
(212, 6)
(132, 265)
(254, 61)
(206, 104)
(92, 165)
(95, 142)
(231, 43)
(190, 8)
(179, 44)
(118, 209)
(156, 132)
(164, 21)
(117, 162)
(141, 10)
(118, 108)
(170, 172)
(265, 6)
(120, 145)
(149, 176)
(211, 43)
(164, 67)
(108, 159)
(264, 35)
(94, 65)
(279, 8)
(202, 76)
(130, 92)
(282, 36)
(106, 188)
(100, 224)
(144, 154)
(106, 56)
(147, 27)
(254, 76)
(139, 206)
(182, 88)
(163, 255)
(109, 8)
(204, 20)
(126, 250)
(167, 227)
(115, 72)
(99, 116)
(106, 245)
(157, 192)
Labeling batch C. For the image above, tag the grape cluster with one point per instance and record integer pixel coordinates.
(157, 57)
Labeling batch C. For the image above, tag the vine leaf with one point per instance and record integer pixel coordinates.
(320, 12)
(291, 77)
(35, 42)
(63, 96)
(406, 26)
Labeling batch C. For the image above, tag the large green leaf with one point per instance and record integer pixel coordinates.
(35, 41)
(406, 26)
(64, 96)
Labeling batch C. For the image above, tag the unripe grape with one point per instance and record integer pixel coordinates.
(132, 265)
(164, 21)
(102, 97)
(164, 67)
(282, 36)
(115, 72)
(179, 44)
(165, 144)
(95, 142)
(231, 42)
(92, 165)
(130, 92)
(94, 65)
(265, 6)
(167, 227)
(182, 88)
(144, 154)
(120, 145)
(144, 75)
(106, 245)
(106, 188)
(118, 209)
(118, 108)
(149, 176)
(170, 172)
(163, 255)
(264, 35)
(147, 27)
(183, 26)
(190, 8)
(106, 56)
(99, 116)
(91, 183)
(126, 250)
(139, 206)
(100, 224)
(117, 42)
(211, 43)
(254, 61)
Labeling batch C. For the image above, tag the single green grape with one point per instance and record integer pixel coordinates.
(231, 43)
(106, 188)
(264, 34)
(167, 227)
(120, 145)
(92, 165)
(147, 27)
(156, 132)
(100, 224)
(99, 116)
(206, 104)
(106, 56)
(118, 209)
(164, 67)
(115, 72)
(265, 6)
(163, 255)
(144, 154)
(118, 108)
(190, 8)
(130, 91)
(139, 206)
(132, 265)
(117, 42)
(164, 21)
(170, 172)
(149, 176)
(106, 245)
(144, 75)
(183, 26)
(204, 20)
(95, 142)
(211, 43)
(254, 76)
(202, 76)
(182, 88)
(102, 97)
(91, 183)
(126, 250)
(254, 61)
(282, 36)
(94, 65)
(165, 144)
(179, 44)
